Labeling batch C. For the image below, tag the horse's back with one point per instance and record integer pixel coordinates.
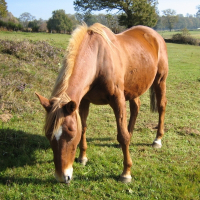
(144, 55)
(158, 46)
(130, 64)
(146, 37)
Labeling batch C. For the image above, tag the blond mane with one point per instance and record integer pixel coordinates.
(59, 96)
(78, 35)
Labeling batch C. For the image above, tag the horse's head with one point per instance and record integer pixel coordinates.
(63, 130)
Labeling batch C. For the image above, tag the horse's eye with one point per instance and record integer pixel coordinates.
(70, 129)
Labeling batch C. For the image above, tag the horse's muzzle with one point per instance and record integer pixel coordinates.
(66, 177)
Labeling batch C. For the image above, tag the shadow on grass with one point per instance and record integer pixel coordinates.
(142, 144)
(111, 144)
(21, 181)
(99, 139)
(17, 148)
(102, 140)
(94, 178)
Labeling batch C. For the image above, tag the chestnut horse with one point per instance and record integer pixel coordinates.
(101, 67)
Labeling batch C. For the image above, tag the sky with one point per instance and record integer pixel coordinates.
(43, 8)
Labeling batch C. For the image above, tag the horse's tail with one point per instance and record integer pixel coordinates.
(153, 100)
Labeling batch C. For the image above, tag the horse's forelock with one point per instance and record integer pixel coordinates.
(56, 116)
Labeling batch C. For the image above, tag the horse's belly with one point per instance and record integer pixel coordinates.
(138, 82)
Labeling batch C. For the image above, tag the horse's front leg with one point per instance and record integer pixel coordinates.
(83, 110)
(119, 106)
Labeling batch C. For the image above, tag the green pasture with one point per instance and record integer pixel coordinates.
(168, 34)
(59, 40)
(26, 159)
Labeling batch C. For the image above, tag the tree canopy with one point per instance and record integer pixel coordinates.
(59, 22)
(198, 12)
(170, 18)
(3, 8)
(25, 18)
(132, 12)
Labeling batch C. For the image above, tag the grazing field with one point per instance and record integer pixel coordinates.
(168, 34)
(59, 40)
(26, 159)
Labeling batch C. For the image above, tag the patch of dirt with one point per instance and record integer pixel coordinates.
(189, 131)
(154, 126)
(5, 117)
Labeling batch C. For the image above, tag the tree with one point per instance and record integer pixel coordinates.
(140, 13)
(132, 12)
(3, 8)
(43, 27)
(34, 25)
(198, 12)
(25, 18)
(87, 17)
(74, 21)
(112, 23)
(10, 18)
(59, 22)
(170, 18)
(10, 22)
(182, 22)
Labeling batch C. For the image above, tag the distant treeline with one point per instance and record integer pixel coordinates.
(190, 22)
(11, 23)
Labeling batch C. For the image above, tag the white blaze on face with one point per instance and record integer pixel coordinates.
(58, 133)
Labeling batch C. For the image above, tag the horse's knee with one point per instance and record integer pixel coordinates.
(124, 139)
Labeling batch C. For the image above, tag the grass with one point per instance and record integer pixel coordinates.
(168, 34)
(26, 159)
(59, 40)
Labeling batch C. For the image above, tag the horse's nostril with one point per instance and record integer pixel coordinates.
(67, 179)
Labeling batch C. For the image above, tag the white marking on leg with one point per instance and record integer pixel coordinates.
(126, 176)
(58, 133)
(158, 141)
(83, 160)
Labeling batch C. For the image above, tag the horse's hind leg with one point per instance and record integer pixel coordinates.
(83, 110)
(119, 106)
(134, 109)
(160, 90)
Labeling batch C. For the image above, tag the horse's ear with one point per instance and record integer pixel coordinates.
(90, 32)
(44, 102)
(70, 107)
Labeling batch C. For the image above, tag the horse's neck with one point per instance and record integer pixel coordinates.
(79, 85)
(85, 69)
(82, 77)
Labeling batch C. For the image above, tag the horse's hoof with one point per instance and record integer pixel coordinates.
(83, 161)
(156, 145)
(125, 179)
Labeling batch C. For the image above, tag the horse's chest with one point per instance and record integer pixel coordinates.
(99, 93)
(97, 97)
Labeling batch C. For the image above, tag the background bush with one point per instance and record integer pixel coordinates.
(185, 38)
